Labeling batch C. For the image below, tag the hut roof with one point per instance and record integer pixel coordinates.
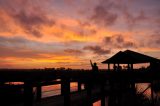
(130, 57)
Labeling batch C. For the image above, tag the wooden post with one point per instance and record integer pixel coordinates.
(131, 67)
(28, 94)
(103, 94)
(79, 86)
(111, 97)
(133, 83)
(65, 89)
(128, 67)
(108, 66)
(62, 87)
(152, 95)
(118, 69)
(114, 67)
(89, 93)
(39, 93)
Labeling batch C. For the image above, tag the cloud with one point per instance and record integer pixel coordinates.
(32, 22)
(28, 16)
(103, 16)
(80, 29)
(97, 50)
(134, 19)
(129, 44)
(73, 52)
(24, 48)
(19, 53)
(154, 40)
(19, 43)
(108, 40)
(119, 41)
(20, 48)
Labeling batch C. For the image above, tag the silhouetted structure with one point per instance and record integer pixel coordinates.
(112, 84)
(130, 57)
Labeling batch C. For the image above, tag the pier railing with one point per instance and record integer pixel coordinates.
(42, 77)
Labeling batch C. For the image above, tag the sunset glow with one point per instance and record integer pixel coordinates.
(69, 33)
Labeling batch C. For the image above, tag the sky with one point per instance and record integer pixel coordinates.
(69, 33)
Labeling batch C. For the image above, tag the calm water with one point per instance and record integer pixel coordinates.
(53, 90)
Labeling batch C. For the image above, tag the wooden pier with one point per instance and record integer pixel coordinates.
(111, 83)
(102, 79)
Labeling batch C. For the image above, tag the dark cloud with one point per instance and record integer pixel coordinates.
(17, 42)
(73, 51)
(27, 15)
(129, 44)
(108, 12)
(18, 47)
(79, 30)
(84, 24)
(26, 44)
(97, 50)
(153, 40)
(32, 21)
(134, 19)
(108, 40)
(103, 15)
(118, 41)
(158, 41)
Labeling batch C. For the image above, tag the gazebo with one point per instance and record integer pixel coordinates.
(130, 57)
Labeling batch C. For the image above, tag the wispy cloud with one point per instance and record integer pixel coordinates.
(103, 16)
(36, 33)
(97, 50)
(119, 41)
(31, 18)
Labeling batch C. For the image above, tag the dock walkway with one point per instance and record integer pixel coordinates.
(77, 98)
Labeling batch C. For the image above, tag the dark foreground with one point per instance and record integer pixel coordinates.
(118, 87)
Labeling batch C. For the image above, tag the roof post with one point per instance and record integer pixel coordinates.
(108, 66)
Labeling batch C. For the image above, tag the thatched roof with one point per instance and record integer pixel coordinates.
(130, 57)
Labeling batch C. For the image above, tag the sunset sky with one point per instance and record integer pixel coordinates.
(68, 33)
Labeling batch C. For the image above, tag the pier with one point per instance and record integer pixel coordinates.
(108, 83)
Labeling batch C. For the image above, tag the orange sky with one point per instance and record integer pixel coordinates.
(69, 33)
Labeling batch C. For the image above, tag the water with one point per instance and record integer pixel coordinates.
(98, 103)
(141, 87)
(53, 90)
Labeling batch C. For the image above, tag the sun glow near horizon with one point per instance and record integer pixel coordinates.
(38, 34)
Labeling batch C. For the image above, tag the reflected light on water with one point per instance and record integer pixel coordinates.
(53, 90)
(98, 103)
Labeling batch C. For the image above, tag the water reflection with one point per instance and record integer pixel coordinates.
(53, 90)
(98, 103)
(141, 87)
